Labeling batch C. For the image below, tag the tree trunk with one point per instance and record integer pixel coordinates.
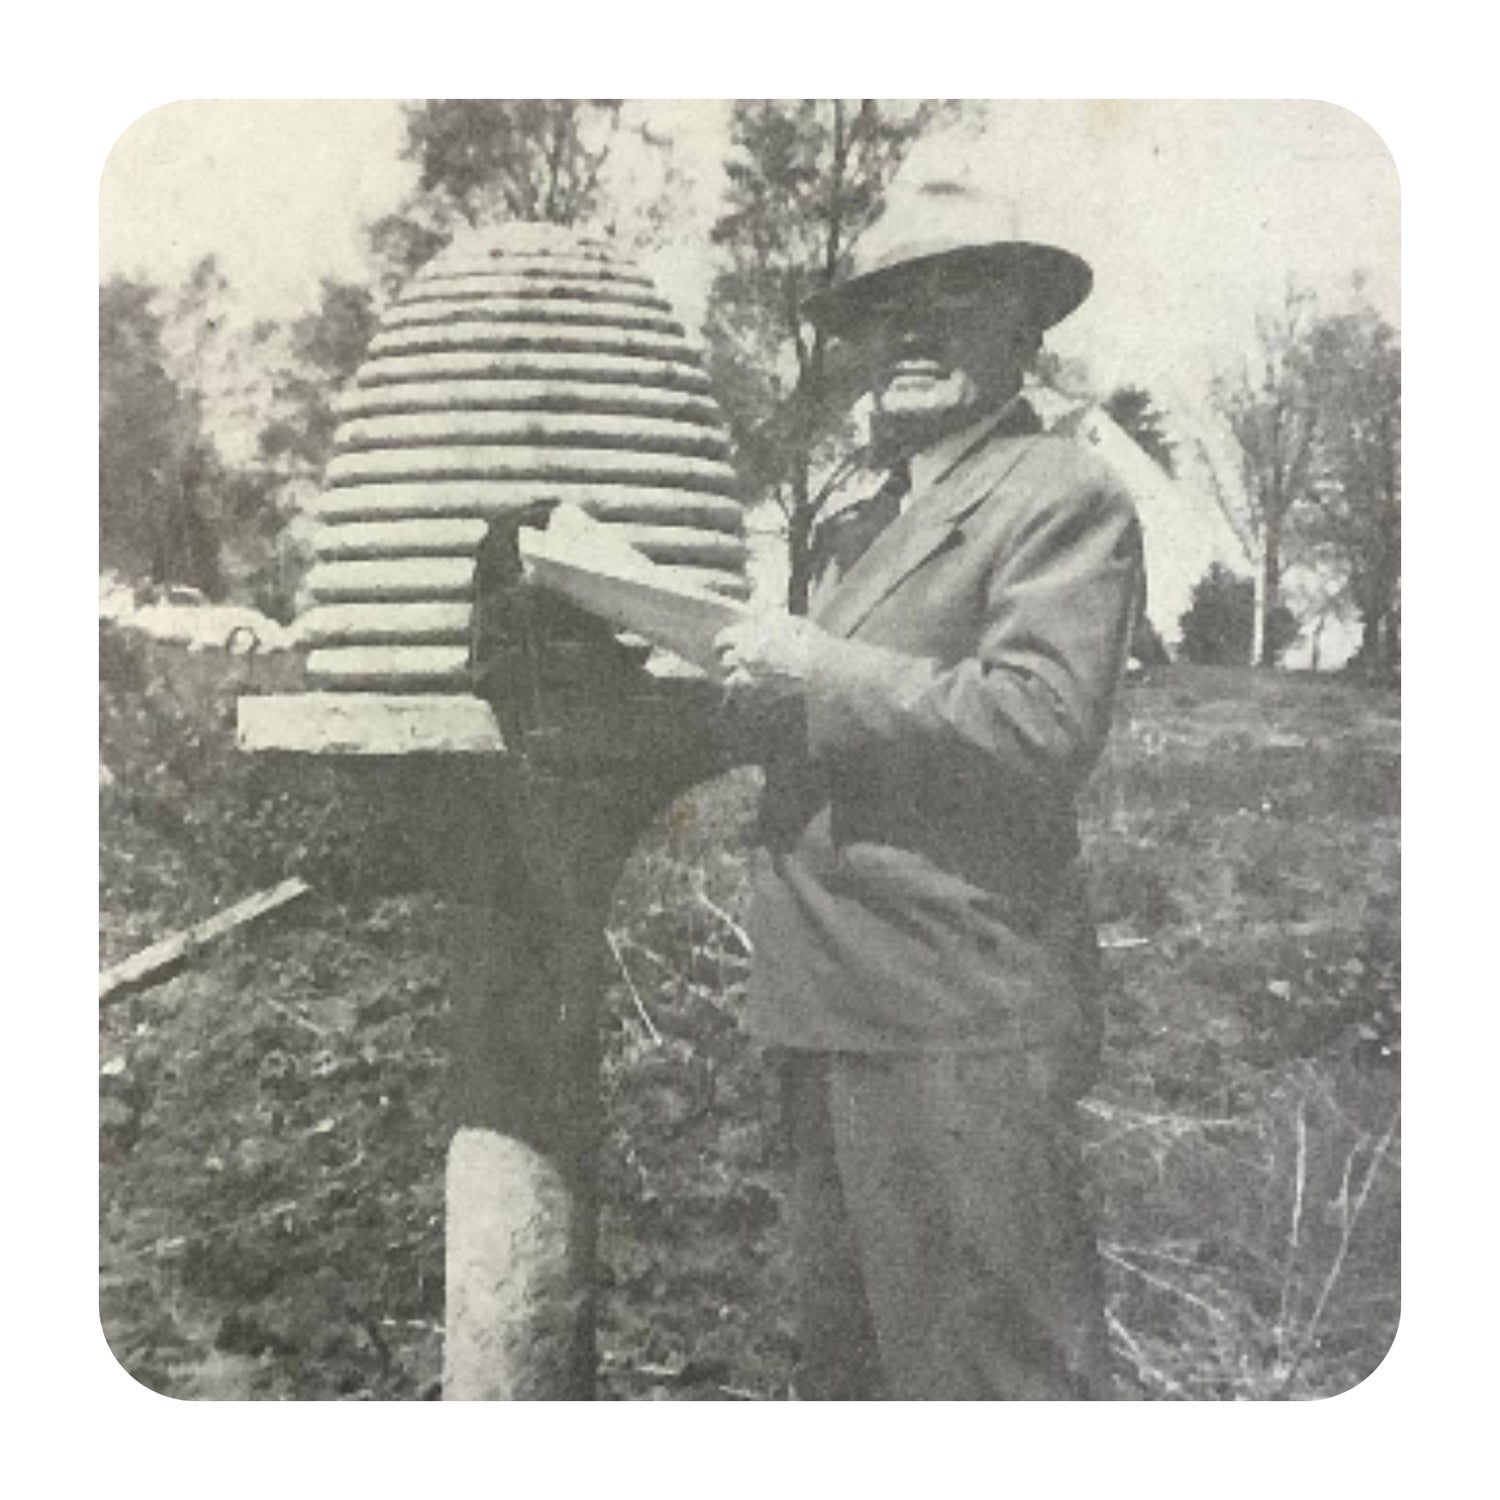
(1269, 594)
(799, 538)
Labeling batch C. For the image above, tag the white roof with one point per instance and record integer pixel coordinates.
(1184, 530)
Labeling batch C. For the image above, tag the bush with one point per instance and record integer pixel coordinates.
(188, 822)
(1218, 628)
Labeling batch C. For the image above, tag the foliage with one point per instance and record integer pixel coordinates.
(1317, 423)
(485, 161)
(187, 822)
(324, 348)
(1218, 627)
(405, 240)
(806, 178)
(1246, 1132)
(177, 383)
(1132, 409)
(156, 463)
(536, 160)
(1353, 524)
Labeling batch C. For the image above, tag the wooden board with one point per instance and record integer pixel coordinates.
(369, 724)
(670, 607)
(163, 958)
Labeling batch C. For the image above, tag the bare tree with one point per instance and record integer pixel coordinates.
(806, 178)
(1270, 408)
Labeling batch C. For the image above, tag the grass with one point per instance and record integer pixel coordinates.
(271, 1144)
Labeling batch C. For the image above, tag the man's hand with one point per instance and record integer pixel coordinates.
(768, 657)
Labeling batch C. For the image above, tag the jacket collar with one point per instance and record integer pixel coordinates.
(946, 485)
(934, 463)
(858, 477)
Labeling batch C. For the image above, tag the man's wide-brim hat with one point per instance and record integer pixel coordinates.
(950, 224)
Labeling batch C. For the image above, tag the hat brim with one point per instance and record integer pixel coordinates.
(1055, 282)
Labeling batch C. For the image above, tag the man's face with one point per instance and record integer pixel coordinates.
(942, 352)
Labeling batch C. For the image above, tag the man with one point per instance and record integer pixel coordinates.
(925, 970)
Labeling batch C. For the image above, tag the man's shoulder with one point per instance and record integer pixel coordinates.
(1057, 457)
(1054, 470)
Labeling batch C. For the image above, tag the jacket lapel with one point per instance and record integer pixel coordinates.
(928, 525)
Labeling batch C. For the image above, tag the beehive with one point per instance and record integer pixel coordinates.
(523, 366)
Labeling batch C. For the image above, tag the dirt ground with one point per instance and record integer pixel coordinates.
(270, 1135)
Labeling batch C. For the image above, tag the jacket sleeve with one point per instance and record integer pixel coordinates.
(1033, 703)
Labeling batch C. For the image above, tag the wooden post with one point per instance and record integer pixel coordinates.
(528, 865)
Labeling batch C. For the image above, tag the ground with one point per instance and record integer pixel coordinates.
(270, 1136)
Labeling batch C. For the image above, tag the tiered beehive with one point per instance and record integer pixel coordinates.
(522, 366)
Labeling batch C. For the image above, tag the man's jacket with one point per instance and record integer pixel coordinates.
(918, 884)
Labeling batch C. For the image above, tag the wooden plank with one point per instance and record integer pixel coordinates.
(377, 724)
(389, 669)
(574, 465)
(160, 959)
(676, 372)
(436, 537)
(600, 338)
(560, 310)
(386, 625)
(414, 578)
(629, 434)
(648, 504)
(529, 395)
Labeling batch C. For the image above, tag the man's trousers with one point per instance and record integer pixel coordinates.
(943, 1246)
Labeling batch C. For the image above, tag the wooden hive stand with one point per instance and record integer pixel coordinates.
(523, 367)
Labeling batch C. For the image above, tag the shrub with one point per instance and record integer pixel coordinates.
(1218, 627)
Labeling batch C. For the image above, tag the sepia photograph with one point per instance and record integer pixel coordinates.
(749, 750)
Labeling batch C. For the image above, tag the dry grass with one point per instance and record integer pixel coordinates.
(271, 1144)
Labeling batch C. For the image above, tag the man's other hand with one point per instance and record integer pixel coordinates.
(769, 657)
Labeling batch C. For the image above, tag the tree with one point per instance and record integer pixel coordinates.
(537, 160)
(1131, 408)
(1353, 526)
(1270, 409)
(156, 464)
(486, 161)
(1218, 627)
(325, 347)
(806, 178)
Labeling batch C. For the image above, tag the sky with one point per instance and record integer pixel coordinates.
(1194, 216)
